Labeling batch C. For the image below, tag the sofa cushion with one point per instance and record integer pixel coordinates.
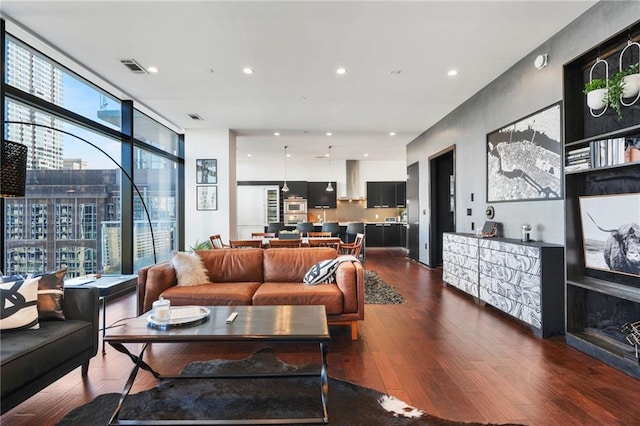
(189, 269)
(291, 264)
(50, 294)
(214, 294)
(19, 304)
(233, 265)
(27, 355)
(279, 293)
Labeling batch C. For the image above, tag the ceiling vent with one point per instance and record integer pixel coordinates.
(133, 66)
(194, 116)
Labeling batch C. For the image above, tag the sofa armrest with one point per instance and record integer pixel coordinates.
(152, 281)
(82, 303)
(350, 281)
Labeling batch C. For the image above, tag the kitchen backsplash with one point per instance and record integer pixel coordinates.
(352, 211)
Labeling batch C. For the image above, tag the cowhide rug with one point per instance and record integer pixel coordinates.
(348, 404)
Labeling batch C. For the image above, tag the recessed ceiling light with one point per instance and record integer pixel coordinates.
(152, 70)
(366, 155)
(451, 73)
(276, 134)
(288, 155)
(392, 133)
(247, 70)
(248, 155)
(329, 133)
(341, 71)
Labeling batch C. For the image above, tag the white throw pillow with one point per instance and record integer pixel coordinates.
(322, 272)
(189, 269)
(19, 307)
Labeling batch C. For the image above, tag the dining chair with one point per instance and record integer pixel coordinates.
(334, 242)
(277, 243)
(245, 243)
(318, 234)
(216, 242)
(354, 248)
(332, 227)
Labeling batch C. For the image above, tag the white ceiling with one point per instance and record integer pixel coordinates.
(201, 47)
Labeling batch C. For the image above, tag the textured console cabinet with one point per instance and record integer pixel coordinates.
(460, 262)
(525, 280)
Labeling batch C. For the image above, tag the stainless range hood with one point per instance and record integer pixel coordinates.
(354, 186)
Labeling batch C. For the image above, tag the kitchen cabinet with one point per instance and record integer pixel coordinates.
(401, 194)
(386, 194)
(384, 235)
(297, 188)
(319, 197)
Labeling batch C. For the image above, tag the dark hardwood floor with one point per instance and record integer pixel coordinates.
(440, 352)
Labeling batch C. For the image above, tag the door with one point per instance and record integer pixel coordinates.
(442, 201)
(413, 211)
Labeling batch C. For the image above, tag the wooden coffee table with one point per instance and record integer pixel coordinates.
(269, 324)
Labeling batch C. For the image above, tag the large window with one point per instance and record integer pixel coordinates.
(72, 215)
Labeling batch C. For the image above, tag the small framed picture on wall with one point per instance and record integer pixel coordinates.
(207, 197)
(207, 171)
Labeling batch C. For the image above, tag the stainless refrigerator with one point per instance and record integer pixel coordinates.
(258, 206)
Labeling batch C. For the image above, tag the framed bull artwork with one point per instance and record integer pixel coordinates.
(611, 232)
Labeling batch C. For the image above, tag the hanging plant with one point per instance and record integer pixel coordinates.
(616, 89)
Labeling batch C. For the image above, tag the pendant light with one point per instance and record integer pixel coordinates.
(329, 187)
(285, 188)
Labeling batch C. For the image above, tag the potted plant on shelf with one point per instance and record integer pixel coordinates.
(596, 91)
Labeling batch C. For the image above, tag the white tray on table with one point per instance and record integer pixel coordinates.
(181, 316)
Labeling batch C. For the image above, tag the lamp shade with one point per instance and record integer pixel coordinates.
(13, 169)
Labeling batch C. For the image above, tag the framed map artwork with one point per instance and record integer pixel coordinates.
(524, 158)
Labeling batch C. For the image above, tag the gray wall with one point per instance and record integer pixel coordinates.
(518, 92)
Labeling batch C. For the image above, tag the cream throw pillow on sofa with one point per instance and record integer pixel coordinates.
(189, 269)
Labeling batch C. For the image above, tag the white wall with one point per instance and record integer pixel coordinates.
(219, 144)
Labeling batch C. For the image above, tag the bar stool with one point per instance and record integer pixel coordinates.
(304, 228)
(332, 227)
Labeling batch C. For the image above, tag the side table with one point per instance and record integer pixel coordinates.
(109, 287)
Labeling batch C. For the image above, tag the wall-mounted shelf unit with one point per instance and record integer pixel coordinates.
(599, 301)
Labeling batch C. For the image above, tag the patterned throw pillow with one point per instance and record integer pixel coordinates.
(50, 294)
(19, 304)
(321, 272)
(189, 269)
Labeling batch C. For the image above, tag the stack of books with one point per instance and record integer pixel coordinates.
(578, 159)
(603, 153)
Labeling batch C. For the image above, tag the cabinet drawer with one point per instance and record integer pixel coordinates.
(522, 280)
(518, 262)
(467, 274)
(510, 248)
(460, 282)
(524, 313)
(523, 296)
(461, 239)
(461, 249)
(460, 260)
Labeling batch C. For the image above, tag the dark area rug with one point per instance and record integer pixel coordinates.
(226, 399)
(378, 292)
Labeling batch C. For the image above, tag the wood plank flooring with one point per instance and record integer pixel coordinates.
(440, 352)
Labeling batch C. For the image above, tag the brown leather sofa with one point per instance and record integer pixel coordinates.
(261, 277)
